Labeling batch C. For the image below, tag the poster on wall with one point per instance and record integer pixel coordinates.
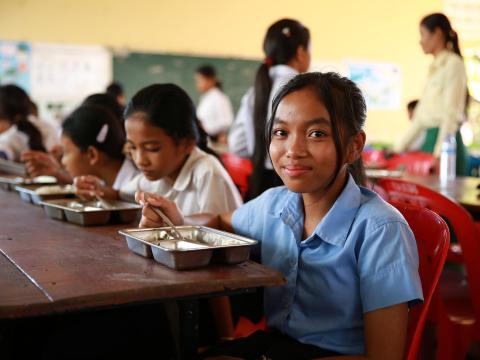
(381, 83)
(15, 62)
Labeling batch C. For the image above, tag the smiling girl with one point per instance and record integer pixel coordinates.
(349, 258)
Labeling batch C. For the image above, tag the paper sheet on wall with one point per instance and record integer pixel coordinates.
(381, 83)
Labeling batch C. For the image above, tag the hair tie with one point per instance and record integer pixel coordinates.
(102, 134)
(268, 61)
(286, 31)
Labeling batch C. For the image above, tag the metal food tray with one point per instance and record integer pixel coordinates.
(29, 194)
(8, 182)
(12, 167)
(199, 246)
(89, 213)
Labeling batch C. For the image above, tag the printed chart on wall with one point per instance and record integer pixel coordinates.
(57, 76)
(381, 83)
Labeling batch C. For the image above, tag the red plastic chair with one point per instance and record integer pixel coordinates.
(457, 311)
(239, 170)
(374, 159)
(415, 162)
(432, 236)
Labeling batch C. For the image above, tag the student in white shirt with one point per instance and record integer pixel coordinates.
(17, 133)
(165, 142)
(92, 142)
(441, 108)
(214, 108)
(287, 53)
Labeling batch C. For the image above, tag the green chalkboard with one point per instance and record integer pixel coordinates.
(137, 70)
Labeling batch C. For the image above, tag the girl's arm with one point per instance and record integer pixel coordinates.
(385, 334)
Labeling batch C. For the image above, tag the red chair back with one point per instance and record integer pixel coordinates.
(415, 163)
(239, 170)
(374, 159)
(433, 238)
(460, 221)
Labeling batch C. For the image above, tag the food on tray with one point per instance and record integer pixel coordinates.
(156, 237)
(55, 189)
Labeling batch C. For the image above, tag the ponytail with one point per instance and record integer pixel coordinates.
(202, 140)
(35, 140)
(262, 88)
(452, 42)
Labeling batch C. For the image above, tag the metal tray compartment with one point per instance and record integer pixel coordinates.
(89, 213)
(9, 182)
(224, 247)
(29, 193)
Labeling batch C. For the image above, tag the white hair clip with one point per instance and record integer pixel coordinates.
(102, 134)
(286, 31)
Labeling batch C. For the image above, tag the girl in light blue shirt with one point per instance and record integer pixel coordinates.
(349, 258)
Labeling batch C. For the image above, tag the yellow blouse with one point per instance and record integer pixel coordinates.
(442, 104)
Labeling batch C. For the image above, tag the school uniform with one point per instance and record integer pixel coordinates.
(241, 139)
(361, 257)
(441, 108)
(202, 186)
(127, 173)
(215, 112)
(12, 143)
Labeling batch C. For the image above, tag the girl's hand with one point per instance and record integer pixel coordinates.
(149, 217)
(88, 186)
(40, 163)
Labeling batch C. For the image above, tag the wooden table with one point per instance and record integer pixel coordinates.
(464, 189)
(48, 266)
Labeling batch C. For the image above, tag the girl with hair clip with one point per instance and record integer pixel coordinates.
(92, 142)
(17, 132)
(442, 106)
(287, 53)
(349, 257)
(214, 108)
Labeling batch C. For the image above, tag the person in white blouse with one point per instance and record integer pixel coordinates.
(214, 108)
(441, 108)
(287, 53)
(17, 132)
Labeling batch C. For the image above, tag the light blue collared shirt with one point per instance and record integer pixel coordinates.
(361, 257)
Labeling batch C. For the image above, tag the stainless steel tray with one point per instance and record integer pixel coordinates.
(200, 246)
(12, 167)
(88, 213)
(8, 182)
(36, 194)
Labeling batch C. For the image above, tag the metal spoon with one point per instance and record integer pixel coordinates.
(105, 204)
(165, 218)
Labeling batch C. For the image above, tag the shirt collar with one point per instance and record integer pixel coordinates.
(278, 71)
(336, 224)
(440, 59)
(185, 175)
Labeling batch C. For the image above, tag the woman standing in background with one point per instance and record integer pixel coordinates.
(287, 53)
(441, 108)
(214, 108)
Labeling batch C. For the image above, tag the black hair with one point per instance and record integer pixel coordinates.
(169, 107)
(115, 89)
(108, 102)
(84, 126)
(15, 106)
(440, 21)
(345, 105)
(209, 72)
(412, 105)
(280, 46)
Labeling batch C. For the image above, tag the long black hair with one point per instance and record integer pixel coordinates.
(440, 21)
(15, 107)
(345, 105)
(280, 46)
(169, 107)
(93, 125)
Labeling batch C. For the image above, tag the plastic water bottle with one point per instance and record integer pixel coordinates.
(448, 159)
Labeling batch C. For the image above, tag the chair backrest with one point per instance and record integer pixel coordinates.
(239, 170)
(458, 218)
(374, 159)
(415, 162)
(432, 236)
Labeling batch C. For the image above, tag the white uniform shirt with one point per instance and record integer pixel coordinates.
(215, 111)
(202, 186)
(13, 142)
(241, 139)
(126, 173)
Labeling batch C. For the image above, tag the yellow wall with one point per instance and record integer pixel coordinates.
(372, 30)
